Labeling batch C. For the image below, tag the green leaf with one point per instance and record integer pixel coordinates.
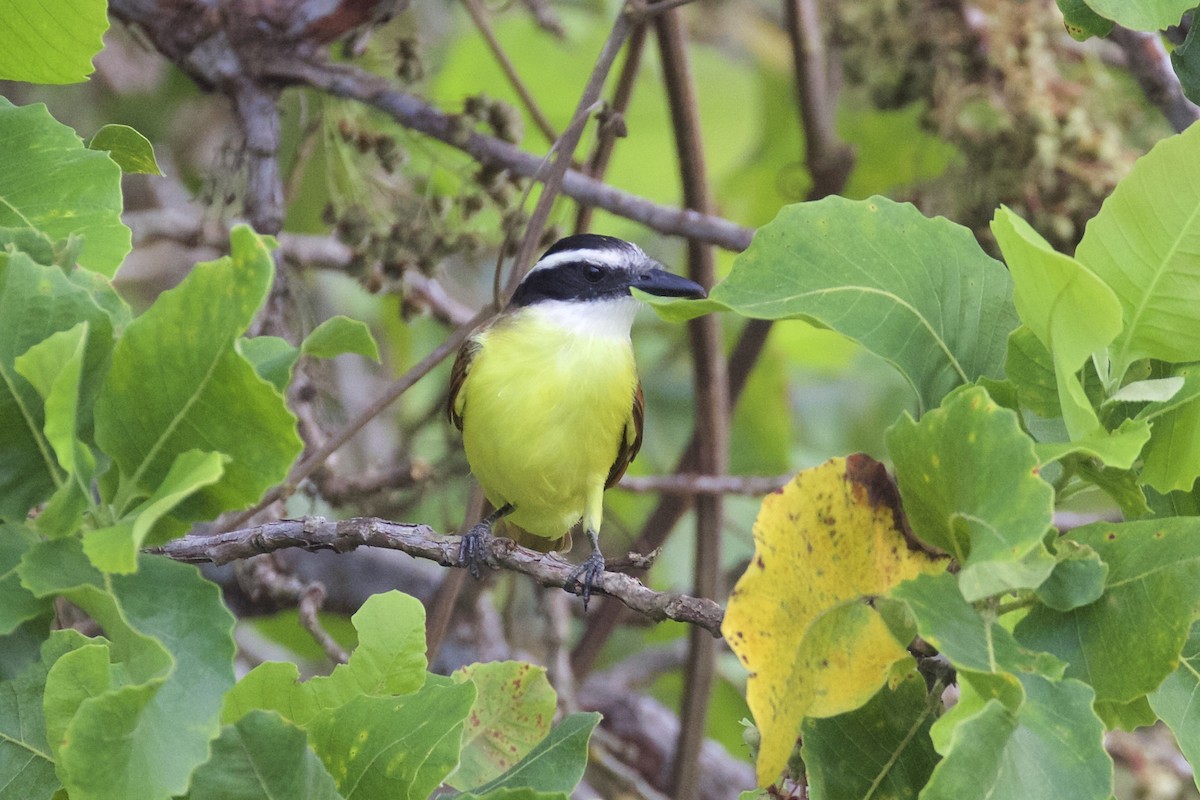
(48, 43)
(51, 182)
(1142, 15)
(1175, 700)
(1119, 484)
(1049, 748)
(557, 763)
(513, 713)
(133, 152)
(514, 706)
(1119, 448)
(1185, 59)
(1154, 574)
(1078, 577)
(968, 477)
(259, 758)
(36, 302)
(17, 604)
(1127, 716)
(1173, 456)
(389, 660)
(1081, 22)
(272, 358)
(1156, 390)
(207, 396)
(1068, 308)
(889, 738)
(114, 549)
(338, 335)
(919, 292)
(395, 747)
(172, 637)
(1139, 245)
(54, 366)
(26, 763)
(958, 631)
(1031, 369)
(516, 794)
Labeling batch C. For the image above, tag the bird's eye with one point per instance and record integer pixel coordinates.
(593, 273)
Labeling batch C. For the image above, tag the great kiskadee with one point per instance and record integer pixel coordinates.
(547, 395)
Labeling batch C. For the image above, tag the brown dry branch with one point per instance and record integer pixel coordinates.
(712, 400)
(1148, 63)
(421, 541)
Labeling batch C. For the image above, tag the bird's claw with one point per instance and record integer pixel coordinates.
(584, 576)
(473, 547)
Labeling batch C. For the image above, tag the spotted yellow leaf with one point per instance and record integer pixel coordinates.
(802, 618)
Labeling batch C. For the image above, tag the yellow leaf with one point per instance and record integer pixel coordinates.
(799, 619)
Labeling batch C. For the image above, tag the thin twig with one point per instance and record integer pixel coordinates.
(1147, 61)
(510, 71)
(266, 576)
(420, 541)
(315, 459)
(712, 402)
(829, 161)
(552, 180)
(414, 113)
(613, 126)
(445, 600)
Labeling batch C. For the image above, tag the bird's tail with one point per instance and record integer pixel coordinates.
(526, 539)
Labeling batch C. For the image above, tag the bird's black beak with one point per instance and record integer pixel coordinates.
(661, 283)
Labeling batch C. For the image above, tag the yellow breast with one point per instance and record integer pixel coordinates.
(544, 411)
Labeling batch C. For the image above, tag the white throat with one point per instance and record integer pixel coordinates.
(602, 319)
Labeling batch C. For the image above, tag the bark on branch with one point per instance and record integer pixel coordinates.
(421, 541)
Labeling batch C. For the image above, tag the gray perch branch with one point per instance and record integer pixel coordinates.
(421, 541)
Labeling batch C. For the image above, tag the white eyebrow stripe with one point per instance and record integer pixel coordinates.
(607, 257)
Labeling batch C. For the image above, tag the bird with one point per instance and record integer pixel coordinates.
(548, 398)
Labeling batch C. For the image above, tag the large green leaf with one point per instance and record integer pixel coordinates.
(150, 724)
(971, 642)
(389, 660)
(260, 758)
(36, 302)
(206, 396)
(395, 747)
(1173, 456)
(115, 548)
(1142, 244)
(26, 763)
(968, 477)
(889, 737)
(917, 291)
(1068, 308)
(17, 604)
(511, 715)
(54, 367)
(1142, 15)
(1154, 575)
(556, 764)
(1175, 700)
(1050, 747)
(51, 42)
(51, 182)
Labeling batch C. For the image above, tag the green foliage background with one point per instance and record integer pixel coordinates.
(1001, 392)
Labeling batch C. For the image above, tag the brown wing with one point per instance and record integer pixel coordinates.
(458, 374)
(631, 439)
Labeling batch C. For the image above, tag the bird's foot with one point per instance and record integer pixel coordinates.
(474, 545)
(584, 576)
